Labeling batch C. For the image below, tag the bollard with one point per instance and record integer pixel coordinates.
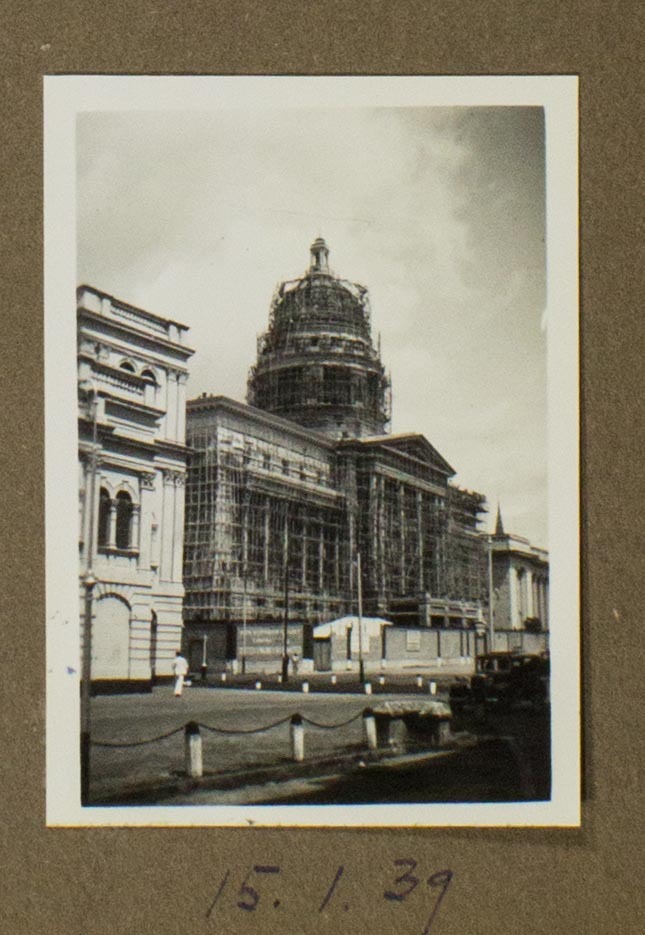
(419, 681)
(297, 729)
(280, 680)
(258, 686)
(193, 750)
(223, 676)
(369, 723)
(333, 680)
(432, 687)
(368, 688)
(305, 687)
(381, 680)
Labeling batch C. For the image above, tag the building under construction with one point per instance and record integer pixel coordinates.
(284, 494)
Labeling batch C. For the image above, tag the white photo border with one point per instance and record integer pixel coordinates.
(67, 96)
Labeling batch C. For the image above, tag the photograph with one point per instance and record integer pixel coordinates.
(311, 350)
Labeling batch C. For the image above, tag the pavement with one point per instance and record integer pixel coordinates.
(505, 756)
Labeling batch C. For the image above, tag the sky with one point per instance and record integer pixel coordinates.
(439, 211)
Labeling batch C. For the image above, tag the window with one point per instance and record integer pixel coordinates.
(104, 517)
(285, 466)
(127, 366)
(266, 461)
(123, 520)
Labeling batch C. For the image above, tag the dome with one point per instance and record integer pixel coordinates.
(316, 362)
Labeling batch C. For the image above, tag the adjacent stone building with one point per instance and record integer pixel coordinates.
(520, 583)
(132, 373)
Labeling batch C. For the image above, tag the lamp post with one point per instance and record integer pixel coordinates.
(89, 581)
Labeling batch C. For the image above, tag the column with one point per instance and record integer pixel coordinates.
(303, 569)
(166, 526)
(146, 495)
(135, 526)
(178, 528)
(401, 494)
(171, 405)
(381, 538)
(111, 525)
(337, 561)
(375, 545)
(517, 620)
(529, 594)
(182, 379)
(510, 582)
(321, 555)
(245, 540)
(420, 583)
(267, 532)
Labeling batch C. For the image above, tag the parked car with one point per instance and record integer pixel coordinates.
(504, 679)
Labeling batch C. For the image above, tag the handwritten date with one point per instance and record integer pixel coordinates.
(403, 882)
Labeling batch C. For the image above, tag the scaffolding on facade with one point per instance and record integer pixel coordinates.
(253, 518)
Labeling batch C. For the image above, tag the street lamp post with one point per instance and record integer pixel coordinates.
(89, 581)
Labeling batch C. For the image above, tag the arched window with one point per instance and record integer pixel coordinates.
(126, 365)
(104, 517)
(123, 520)
(149, 375)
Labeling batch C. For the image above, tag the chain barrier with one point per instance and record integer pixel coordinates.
(226, 730)
(350, 720)
(252, 730)
(138, 743)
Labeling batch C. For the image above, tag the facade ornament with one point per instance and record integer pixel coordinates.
(174, 478)
(147, 481)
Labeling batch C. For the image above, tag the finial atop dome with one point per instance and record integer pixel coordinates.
(319, 256)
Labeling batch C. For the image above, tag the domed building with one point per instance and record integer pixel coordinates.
(288, 497)
(316, 363)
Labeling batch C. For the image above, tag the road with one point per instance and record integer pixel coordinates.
(512, 764)
(132, 718)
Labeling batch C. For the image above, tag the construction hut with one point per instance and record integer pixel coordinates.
(340, 644)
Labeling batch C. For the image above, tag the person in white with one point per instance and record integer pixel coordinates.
(180, 671)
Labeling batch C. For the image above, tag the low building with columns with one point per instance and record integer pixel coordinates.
(132, 374)
(520, 586)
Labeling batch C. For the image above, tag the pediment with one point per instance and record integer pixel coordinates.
(418, 447)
